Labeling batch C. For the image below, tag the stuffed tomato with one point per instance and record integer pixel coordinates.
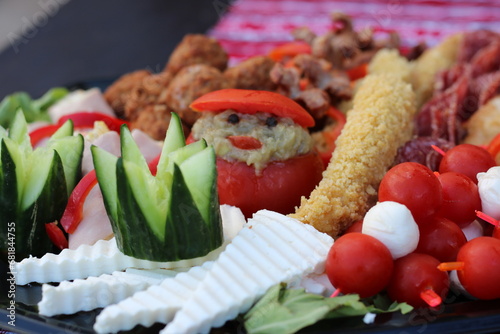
(265, 155)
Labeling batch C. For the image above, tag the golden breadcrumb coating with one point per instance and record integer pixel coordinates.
(384, 61)
(432, 61)
(390, 61)
(380, 122)
(484, 124)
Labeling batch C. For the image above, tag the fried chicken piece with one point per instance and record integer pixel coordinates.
(150, 91)
(432, 61)
(153, 120)
(379, 123)
(118, 92)
(252, 73)
(197, 49)
(189, 84)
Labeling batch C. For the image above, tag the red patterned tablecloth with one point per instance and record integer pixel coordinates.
(253, 27)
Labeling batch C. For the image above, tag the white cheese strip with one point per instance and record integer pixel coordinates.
(272, 248)
(103, 257)
(156, 304)
(87, 294)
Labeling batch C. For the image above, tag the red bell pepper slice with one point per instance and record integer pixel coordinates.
(37, 135)
(73, 213)
(332, 135)
(245, 142)
(358, 72)
(81, 120)
(56, 235)
(289, 50)
(87, 120)
(494, 146)
(252, 101)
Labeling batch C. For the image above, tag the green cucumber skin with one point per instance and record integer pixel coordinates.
(185, 220)
(30, 235)
(133, 235)
(8, 195)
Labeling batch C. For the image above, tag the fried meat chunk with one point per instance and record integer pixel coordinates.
(252, 73)
(379, 123)
(189, 84)
(153, 120)
(119, 91)
(149, 92)
(197, 49)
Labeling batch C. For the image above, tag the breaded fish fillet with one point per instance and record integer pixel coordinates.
(432, 61)
(380, 121)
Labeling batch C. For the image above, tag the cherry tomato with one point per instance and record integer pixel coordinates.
(460, 198)
(481, 267)
(279, 186)
(441, 238)
(359, 263)
(289, 50)
(467, 159)
(415, 276)
(413, 185)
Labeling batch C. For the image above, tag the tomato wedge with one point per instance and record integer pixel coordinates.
(56, 235)
(494, 146)
(251, 101)
(290, 49)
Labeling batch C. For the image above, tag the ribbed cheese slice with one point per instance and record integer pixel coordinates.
(103, 257)
(84, 295)
(272, 248)
(158, 303)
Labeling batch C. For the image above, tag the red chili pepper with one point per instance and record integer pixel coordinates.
(358, 72)
(290, 49)
(332, 135)
(245, 142)
(56, 235)
(252, 101)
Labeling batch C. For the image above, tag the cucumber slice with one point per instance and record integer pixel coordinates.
(70, 149)
(171, 216)
(105, 168)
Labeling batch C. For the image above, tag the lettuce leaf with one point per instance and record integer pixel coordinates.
(283, 310)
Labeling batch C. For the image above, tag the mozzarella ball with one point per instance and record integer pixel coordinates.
(489, 191)
(393, 225)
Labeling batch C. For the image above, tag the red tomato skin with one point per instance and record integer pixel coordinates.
(481, 273)
(413, 274)
(278, 187)
(460, 198)
(355, 227)
(359, 263)
(413, 185)
(467, 159)
(441, 238)
(496, 232)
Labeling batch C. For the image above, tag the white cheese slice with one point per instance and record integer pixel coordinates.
(94, 292)
(158, 303)
(103, 257)
(272, 248)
